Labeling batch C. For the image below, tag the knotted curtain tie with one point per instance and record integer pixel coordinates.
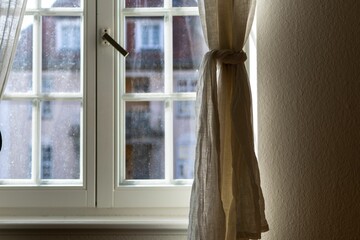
(228, 56)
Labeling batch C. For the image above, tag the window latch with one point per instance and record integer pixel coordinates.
(0, 141)
(107, 39)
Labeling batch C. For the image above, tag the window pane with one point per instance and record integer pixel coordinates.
(184, 139)
(31, 4)
(143, 3)
(189, 49)
(185, 3)
(20, 79)
(15, 126)
(145, 62)
(60, 139)
(61, 3)
(145, 140)
(61, 54)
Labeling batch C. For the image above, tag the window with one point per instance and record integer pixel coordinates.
(185, 155)
(44, 113)
(54, 96)
(148, 33)
(104, 132)
(182, 45)
(68, 34)
(46, 162)
(148, 143)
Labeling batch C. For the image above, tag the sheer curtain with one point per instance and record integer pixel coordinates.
(226, 199)
(11, 15)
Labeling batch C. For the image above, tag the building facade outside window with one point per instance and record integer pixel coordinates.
(46, 161)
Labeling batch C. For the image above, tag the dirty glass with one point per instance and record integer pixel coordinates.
(188, 49)
(61, 55)
(16, 153)
(20, 79)
(184, 139)
(145, 62)
(145, 140)
(143, 3)
(185, 3)
(60, 3)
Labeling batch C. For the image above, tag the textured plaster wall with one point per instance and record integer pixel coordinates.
(309, 117)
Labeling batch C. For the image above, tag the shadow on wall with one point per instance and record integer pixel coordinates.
(309, 117)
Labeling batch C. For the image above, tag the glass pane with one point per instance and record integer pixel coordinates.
(61, 3)
(20, 79)
(61, 54)
(31, 4)
(145, 63)
(143, 3)
(60, 139)
(15, 126)
(185, 3)
(184, 139)
(189, 49)
(145, 140)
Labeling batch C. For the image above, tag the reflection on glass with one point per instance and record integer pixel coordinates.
(15, 126)
(143, 3)
(60, 139)
(145, 140)
(185, 3)
(61, 54)
(189, 48)
(145, 63)
(20, 79)
(184, 139)
(61, 3)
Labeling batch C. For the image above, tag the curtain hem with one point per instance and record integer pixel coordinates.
(241, 235)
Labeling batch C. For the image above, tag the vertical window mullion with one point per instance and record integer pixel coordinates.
(168, 51)
(37, 68)
(35, 143)
(120, 91)
(82, 163)
(168, 140)
(167, 3)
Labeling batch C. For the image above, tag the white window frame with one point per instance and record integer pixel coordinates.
(101, 200)
(48, 194)
(150, 194)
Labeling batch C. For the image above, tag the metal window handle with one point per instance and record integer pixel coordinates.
(108, 39)
(0, 141)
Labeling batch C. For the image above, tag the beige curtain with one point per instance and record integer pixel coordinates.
(226, 201)
(11, 15)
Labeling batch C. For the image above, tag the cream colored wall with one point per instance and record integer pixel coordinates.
(309, 117)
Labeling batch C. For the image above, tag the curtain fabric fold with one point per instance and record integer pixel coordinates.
(11, 16)
(226, 199)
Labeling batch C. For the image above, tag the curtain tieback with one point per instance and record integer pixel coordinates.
(228, 56)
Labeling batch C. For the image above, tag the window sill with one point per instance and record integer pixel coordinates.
(168, 223)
